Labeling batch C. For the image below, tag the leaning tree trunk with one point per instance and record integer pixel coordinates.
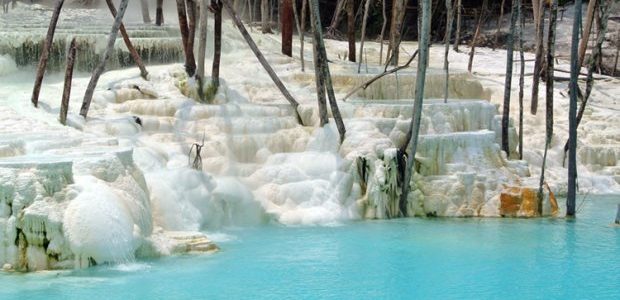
(202, 48)
(364, 20)
(553, 16)
(457, 38)
(286, 24)
(159, 13)
(66, 93)
(302, 32)
(90, 89)
(333, 27)
(261, 57)
(499, 24)
(508, 82)
(321, 60)
(216, 6)
(446, 63)
(411, 139)
(146, 17)
(572, 114)
(538, 64)
(132, 50)
(264, 17)
(47, 46)
(587, 29)
(476, 35)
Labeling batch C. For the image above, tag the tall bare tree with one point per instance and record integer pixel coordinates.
(351, 29)
(411, 140)
(499, 23)
(382, 36)
(47, 46)
(159, 13)
(446, 63)
(364, 20)
(216, 8)
(539, 61)
(90, 89)
(264, 16)
(202, 47)
(190, 63)
(572, 114)
(553, 16)
(396, 27)
(583, 46)
(146, 17)
(521, 77)
(508, 83)
(481, 18)
(457, 38)
(66, 93)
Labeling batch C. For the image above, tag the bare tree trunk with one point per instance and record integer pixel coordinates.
(322, 64)
(264, 16)
(190, 64)
(159, 13)
(536, 4)
(286, 24)
(351, 29)
(457, 39)
(572, 115)
(476, 35)
(333, 27)
(382, 36)
(398, 14)
(302, 33)
(499, 23)
(553, 16)
(132, 50)
(587, 29)
(191, 16)
(261, 58)
(90, 90)
(411, 139)
(319, 80)
(202, 48)
(613, 73)
(66, 94)
(146, 17)
(521, 78)
(364, 20)
(538, 64)
(508, 82)
(216, 7)
(446, 63)
(47, 46)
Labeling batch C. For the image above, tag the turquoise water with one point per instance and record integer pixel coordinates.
(413, 258)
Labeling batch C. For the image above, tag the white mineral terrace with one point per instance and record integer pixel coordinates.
(108, 189)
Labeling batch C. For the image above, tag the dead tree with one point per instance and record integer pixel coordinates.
(382, 36)
(286, 24)
(260, 57)
(264, 17)
(332, 29)
(146, 17)
(553, 16)
(508, 83)
(587, 29)
(132, 50)
(538, 63)
(457, 38)
(202, 48)
(66, 93)
(159, 13)
(481, 18)
(90, 90)
(216, 8)
(596, 53)
(191, 37)
(521, 78)
(324, 76)
(411, 140)
(190, 63)
(364, 20)
(499, 23)
(398, 15)
(351, 29)
(572, 114)
(197, 162)
(302, 32)
(446, 63)
(47, 46)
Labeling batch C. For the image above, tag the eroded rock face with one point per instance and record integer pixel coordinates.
(524, 202)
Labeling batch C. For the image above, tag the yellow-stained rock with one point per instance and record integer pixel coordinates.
(519, 202)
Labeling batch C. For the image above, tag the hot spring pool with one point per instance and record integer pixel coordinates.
(413, 258)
